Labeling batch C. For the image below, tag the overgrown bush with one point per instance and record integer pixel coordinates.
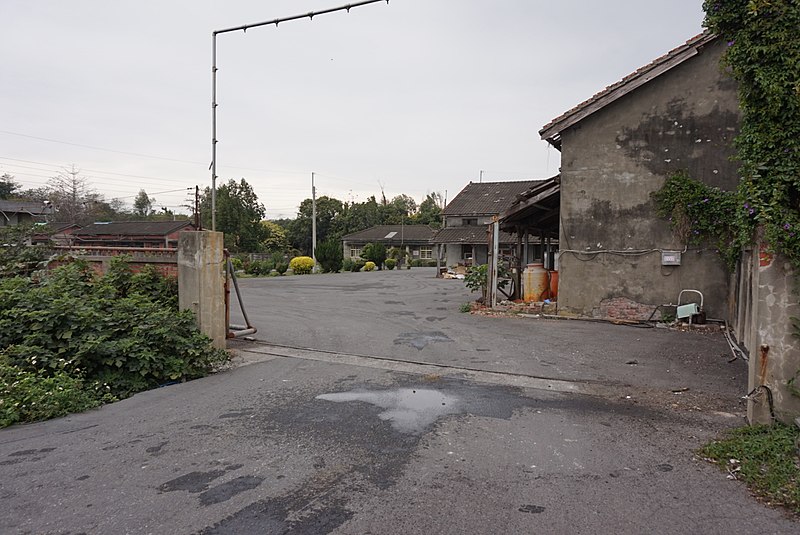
(17, 258)
(423, 263)
(27, 396)
(369, 266)
(301, 265)
(390, 263)
(347, 264)
(237, 263)
(72, 330)
(281, 267)
(330, 256)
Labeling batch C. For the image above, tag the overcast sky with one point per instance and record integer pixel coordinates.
(414, 96)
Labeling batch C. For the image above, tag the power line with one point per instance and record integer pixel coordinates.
(142, 155)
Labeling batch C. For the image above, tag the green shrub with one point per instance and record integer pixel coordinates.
(347, 264)
(259, 267)
(423, 263)
(17, 258)
(390, 263)
(330, 256)
(301, 265)
(281, 267)
(375, 253)
(123, 329)
(237, 263)
(31, 396)
(369, 266)
(358, 265)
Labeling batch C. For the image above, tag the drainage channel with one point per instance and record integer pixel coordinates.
(502, 378)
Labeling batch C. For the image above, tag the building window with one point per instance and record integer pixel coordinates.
(355, 252)
(426, 252)
(469, 222)
(466, 252)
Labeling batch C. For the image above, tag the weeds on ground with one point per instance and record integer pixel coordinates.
(465, 307)
(765, 457)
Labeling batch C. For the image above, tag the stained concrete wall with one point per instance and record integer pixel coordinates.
(612, 161)
(201, 281)
(766, 304)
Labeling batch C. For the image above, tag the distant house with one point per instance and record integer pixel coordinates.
(414, 239)
(617, 258)
(22, 212)
(158, 234)
(463, 238)
(54, 233)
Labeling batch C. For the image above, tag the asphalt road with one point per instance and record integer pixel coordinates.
(339, 441)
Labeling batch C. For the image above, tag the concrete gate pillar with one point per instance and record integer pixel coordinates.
(201, 281)
(774, 350)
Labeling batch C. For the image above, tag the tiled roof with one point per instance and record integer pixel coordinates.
(422, 233)
(486, 198)
(133, 228)
(552, 130)
(26, 207)
(469, 235)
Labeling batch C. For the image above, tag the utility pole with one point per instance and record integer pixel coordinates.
(313, 223)
(197, 208)
(480, 180)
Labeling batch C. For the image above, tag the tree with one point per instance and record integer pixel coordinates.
(374, 252)
(143, 204)
(71, 196)
(359, 216)
(328, 211)
(430, 210)
(398, 211)
(239, 215)
(7, 186)
(274, 237)
(330, 256)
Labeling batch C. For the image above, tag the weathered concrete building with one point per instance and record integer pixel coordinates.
(679, 113)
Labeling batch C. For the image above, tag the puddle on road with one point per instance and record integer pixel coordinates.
(409, 410)
(420, 340)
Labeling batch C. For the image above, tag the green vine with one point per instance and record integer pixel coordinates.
(763, 55)
(699, 214)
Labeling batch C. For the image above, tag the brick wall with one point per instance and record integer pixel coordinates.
(164, 260)
(623, 308)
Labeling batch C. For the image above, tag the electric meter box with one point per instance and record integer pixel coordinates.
(670, 258)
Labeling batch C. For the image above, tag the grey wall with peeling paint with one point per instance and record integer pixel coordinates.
(766, 304)
(613, 160)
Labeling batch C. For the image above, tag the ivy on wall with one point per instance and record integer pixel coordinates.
(763, 56)
(699, 213)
